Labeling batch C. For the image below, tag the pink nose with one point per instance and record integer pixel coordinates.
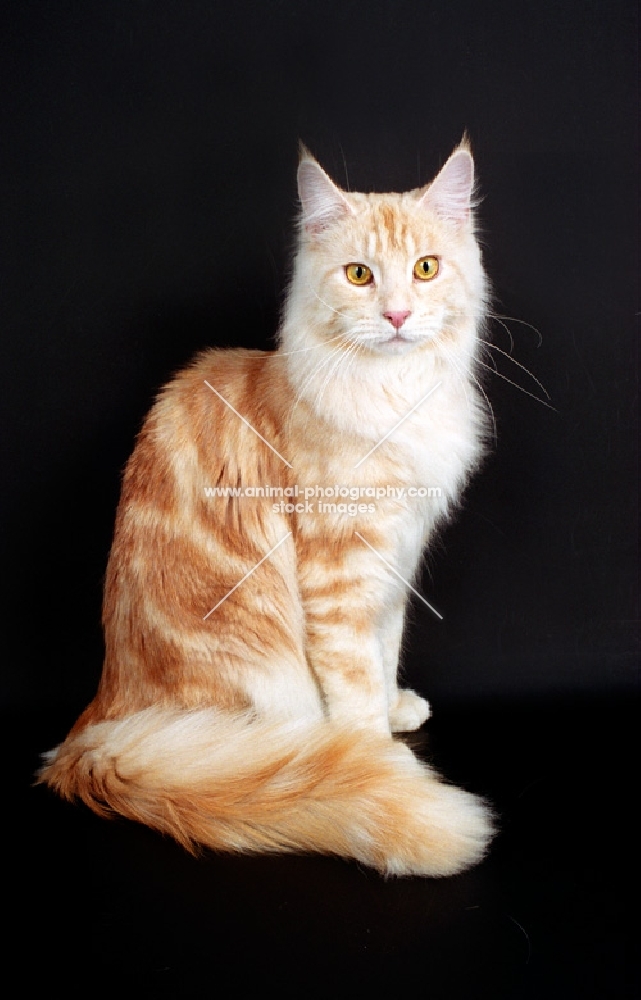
(397, 318)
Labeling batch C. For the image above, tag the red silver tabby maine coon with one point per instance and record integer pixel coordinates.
(274, 509)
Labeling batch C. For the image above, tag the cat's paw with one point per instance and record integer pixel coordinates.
(409, 712)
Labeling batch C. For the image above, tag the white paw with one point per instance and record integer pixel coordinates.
(409, 712)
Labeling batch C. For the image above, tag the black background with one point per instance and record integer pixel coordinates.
(147, 195)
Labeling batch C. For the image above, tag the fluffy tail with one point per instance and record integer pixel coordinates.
(234, 783)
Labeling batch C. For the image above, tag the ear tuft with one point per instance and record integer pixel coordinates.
(450, 193)
(303, 152)
(323, 203)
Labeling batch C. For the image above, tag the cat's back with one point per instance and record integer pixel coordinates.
(232, 376)
(181, 541)
(211, 407)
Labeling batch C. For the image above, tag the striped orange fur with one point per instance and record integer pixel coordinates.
(249, 690)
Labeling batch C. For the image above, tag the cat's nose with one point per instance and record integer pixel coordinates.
(397, 317)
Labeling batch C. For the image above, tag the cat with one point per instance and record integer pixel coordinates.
(249, 690)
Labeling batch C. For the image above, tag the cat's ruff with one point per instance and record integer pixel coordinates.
(266, 725)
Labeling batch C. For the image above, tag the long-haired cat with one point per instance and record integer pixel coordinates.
(273, 514)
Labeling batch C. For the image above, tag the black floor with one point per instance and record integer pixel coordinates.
(547, 915)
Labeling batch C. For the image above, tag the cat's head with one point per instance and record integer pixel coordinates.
(387, 275)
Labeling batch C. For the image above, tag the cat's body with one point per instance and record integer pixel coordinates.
(252, 642)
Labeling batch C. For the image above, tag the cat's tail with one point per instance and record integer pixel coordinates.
(235, 783)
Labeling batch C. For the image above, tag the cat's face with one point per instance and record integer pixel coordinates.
(390, 274)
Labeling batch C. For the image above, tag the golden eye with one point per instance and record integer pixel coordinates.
(426, 268)
(359, 274)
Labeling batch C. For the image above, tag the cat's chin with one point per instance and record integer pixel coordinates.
(397, 344)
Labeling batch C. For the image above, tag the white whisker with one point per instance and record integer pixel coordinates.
(314, 373)
(489, 356)
(473, 377)
(330, 373)
(518, 364)
(314, 347)
(513, 319)
(506, 328)
(516, 386)
(337, 311)
(457, 372)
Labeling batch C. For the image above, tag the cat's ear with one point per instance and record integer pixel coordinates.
(323, 203)
(450, 193)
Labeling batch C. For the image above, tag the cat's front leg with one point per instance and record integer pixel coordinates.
(344, 651)
(347, 663)
(407, 710)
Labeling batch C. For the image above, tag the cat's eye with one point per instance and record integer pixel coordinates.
(359, 274)
(426, 268)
